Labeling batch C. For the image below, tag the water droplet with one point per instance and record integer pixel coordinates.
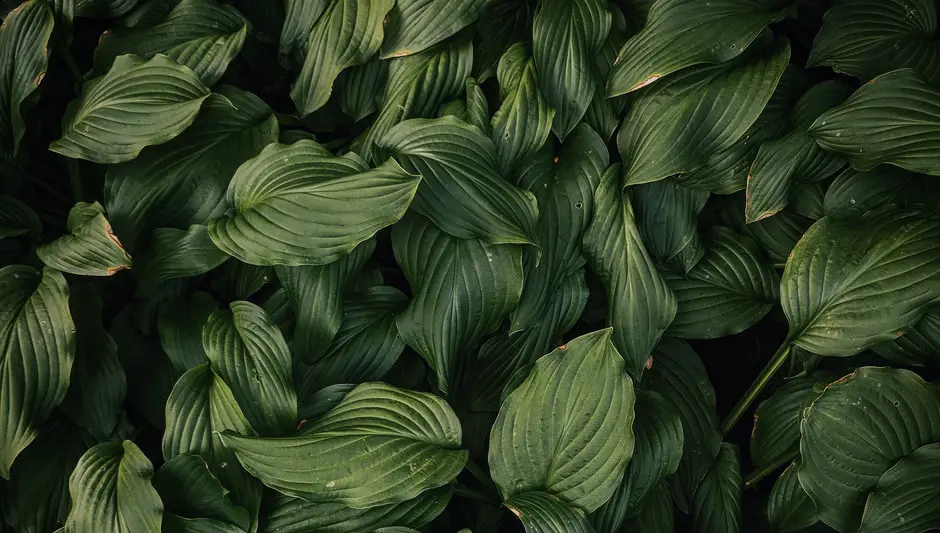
(331, 484)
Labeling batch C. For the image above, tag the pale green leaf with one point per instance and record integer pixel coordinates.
(416, 25)
(90, 249)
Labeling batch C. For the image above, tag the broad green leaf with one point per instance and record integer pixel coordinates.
(462, 289)
(603, 114)
(179, 325)
(640, 305)
(567, 429)
(294, 205)
(565, 196)
(111, 492)
(501, 23)
(347, 34)
(566, 36)
(316, 298)
(24, 57)
(732, 288)
(300, 16)
(893, 119)
(183, 182)
(843, 274)
(248, 351)
(919, 346)
(853, 193)
(240, 281)
(284, 514)
(717, 504)
(138, 103)
(865, 38)
(462, 190)
(656, 516)
(90, 249)
(416, 25)
(17, 218)
(175, 253)
(190, 489)
(318, 403)
(543, 512)
(360, 88)
(200, 34)
(779, 234)
(789, 508)
(850, 439)
(903, 498)
(776, 433)
(149, 373)
(37, 349)
(667, 217)
(684, 33)
(674, 126)
(380, 445)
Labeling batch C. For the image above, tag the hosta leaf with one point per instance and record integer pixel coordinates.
(683, 33)
(17, 218)
(318, 403)
(360, 88)
(90, 248)
(566, 36)
(174, 254)
(640, 305)
(728, 291)
(667, 216)
(779, 233)
(717, 504)
(24, 57)
(478, 108)
(37, 348)
(501, 23)
(903, 498)
(348, 33)
(239, 281)
(183, 182)
(150, 375)
(179, 325)
(190, 489)
(776, 433)
(462, 190)
(657, 514)
(789, 508)
(843, 274)
(300, 16)
(566, 430)
(200, 34)
(543, 512)
(853, 193)
(294, 205)
(894, 119)
(380, 445)
(149, 13)
(416, 25)
(920, 345)
(248, 351)
(850, 439)
(284, 514)
(177, 524)
(462, 289)
(111, 492)
(138, 103)
(316, 297)
(865, 38)
(703, 110)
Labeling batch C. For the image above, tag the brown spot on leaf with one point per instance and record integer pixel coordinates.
(113, 237)
(563, 347)
(555, 160)
(754, 429)
(39, 78)
(649, 363)
(645, 82)
(114, 270)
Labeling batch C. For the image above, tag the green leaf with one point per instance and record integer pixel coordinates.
(478, 108)
(240, 281)
(24, 57)
(177, 524)
(37, 349)
(667, 217)
(789, 508)
(501, 23)
(17, 218)
(347, 34)
(316, 297)
(299, 18)
(200, 34)
(919, 346)
(776, 433)
(150, 375)
(853, 193)
(318, 403)
(732, 288)
(380, 445)
(360, 88)
(903, 499)
(684, 33)
(248, 351)
(865, 38)
(462, 190)
(111, 492)
(149, 13)
(175, 254)
(183, 182)
(566, 37)
(779, 234)
(189, 488)
(566, 430)
(849, 439)
(542, 512)
(703, 110)
(416, 25)
(462, 289)
(843, 274)
(294, 205)
(138, 103)
(640, 305)
(717, 504)
(179, 325)
(894, 119)
(656, 516)
(90, 248)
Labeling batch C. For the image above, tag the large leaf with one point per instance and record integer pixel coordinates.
(416, 25)
(640, 305)
(667, 216)
(502, 23)
(683, 33)
(843, 274)
(297, 205)
(138, 103)
(919, 346)
(189, 488)
(300, 16)
(174, 254)
(717, 504)
(111, 492)
(380, 445)
(179, 324)
(674, 126)
(567, 429)
(37, 348)
(903, 498)
(347, 34)
(566, 36)
(776, 433)
(24, 57)
(853, 193)
(543, 512)
(850, 439)
(360, 88)
(90, 249)
(789, 508)
(462, 290)
(894, 119)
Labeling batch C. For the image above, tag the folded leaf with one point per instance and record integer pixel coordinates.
(919, 346)
(90, 248)
(667, 217)
(188, 488)
(776, 433)
(174, 254)
(542, 512)
(299, 18)
(416, 25)
(779, 233)
(789, 508)
(717, 504)
(903, 499)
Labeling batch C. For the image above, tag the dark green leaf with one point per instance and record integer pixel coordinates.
(903, 498)
(667, 216)
(656, 516)
(853, 192)
(789, 508)
(717, 504)
(919, 346)
(776, 433)
(174, 254)
(189, 488)
(542, 512)
(501, 23)
(90, 249)
(360, 88)
(416, 25)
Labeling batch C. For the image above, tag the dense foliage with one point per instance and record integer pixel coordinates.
(386, 266)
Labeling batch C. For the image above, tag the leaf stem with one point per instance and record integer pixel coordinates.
(751, 479)
(471, 494)
(756, 387)
(75, 178)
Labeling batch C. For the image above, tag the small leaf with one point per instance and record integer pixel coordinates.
(416, 25)
(17, 218)
(189, 488)
(717, 504)
(360, 88)
(789, 508)
(903, 498)
(501, 23)
(90, 248)
(542, 512)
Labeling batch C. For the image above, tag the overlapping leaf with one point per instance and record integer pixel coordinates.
(853, 193)
(91, 248)
(776, 433)
(176, 253)
(667, 216)
(416, 25)
(903, 499)
(717, 504)
(189, 489)
(789, 508)
(919, 346)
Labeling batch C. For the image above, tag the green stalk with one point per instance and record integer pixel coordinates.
(754, 477)
(756, 387)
